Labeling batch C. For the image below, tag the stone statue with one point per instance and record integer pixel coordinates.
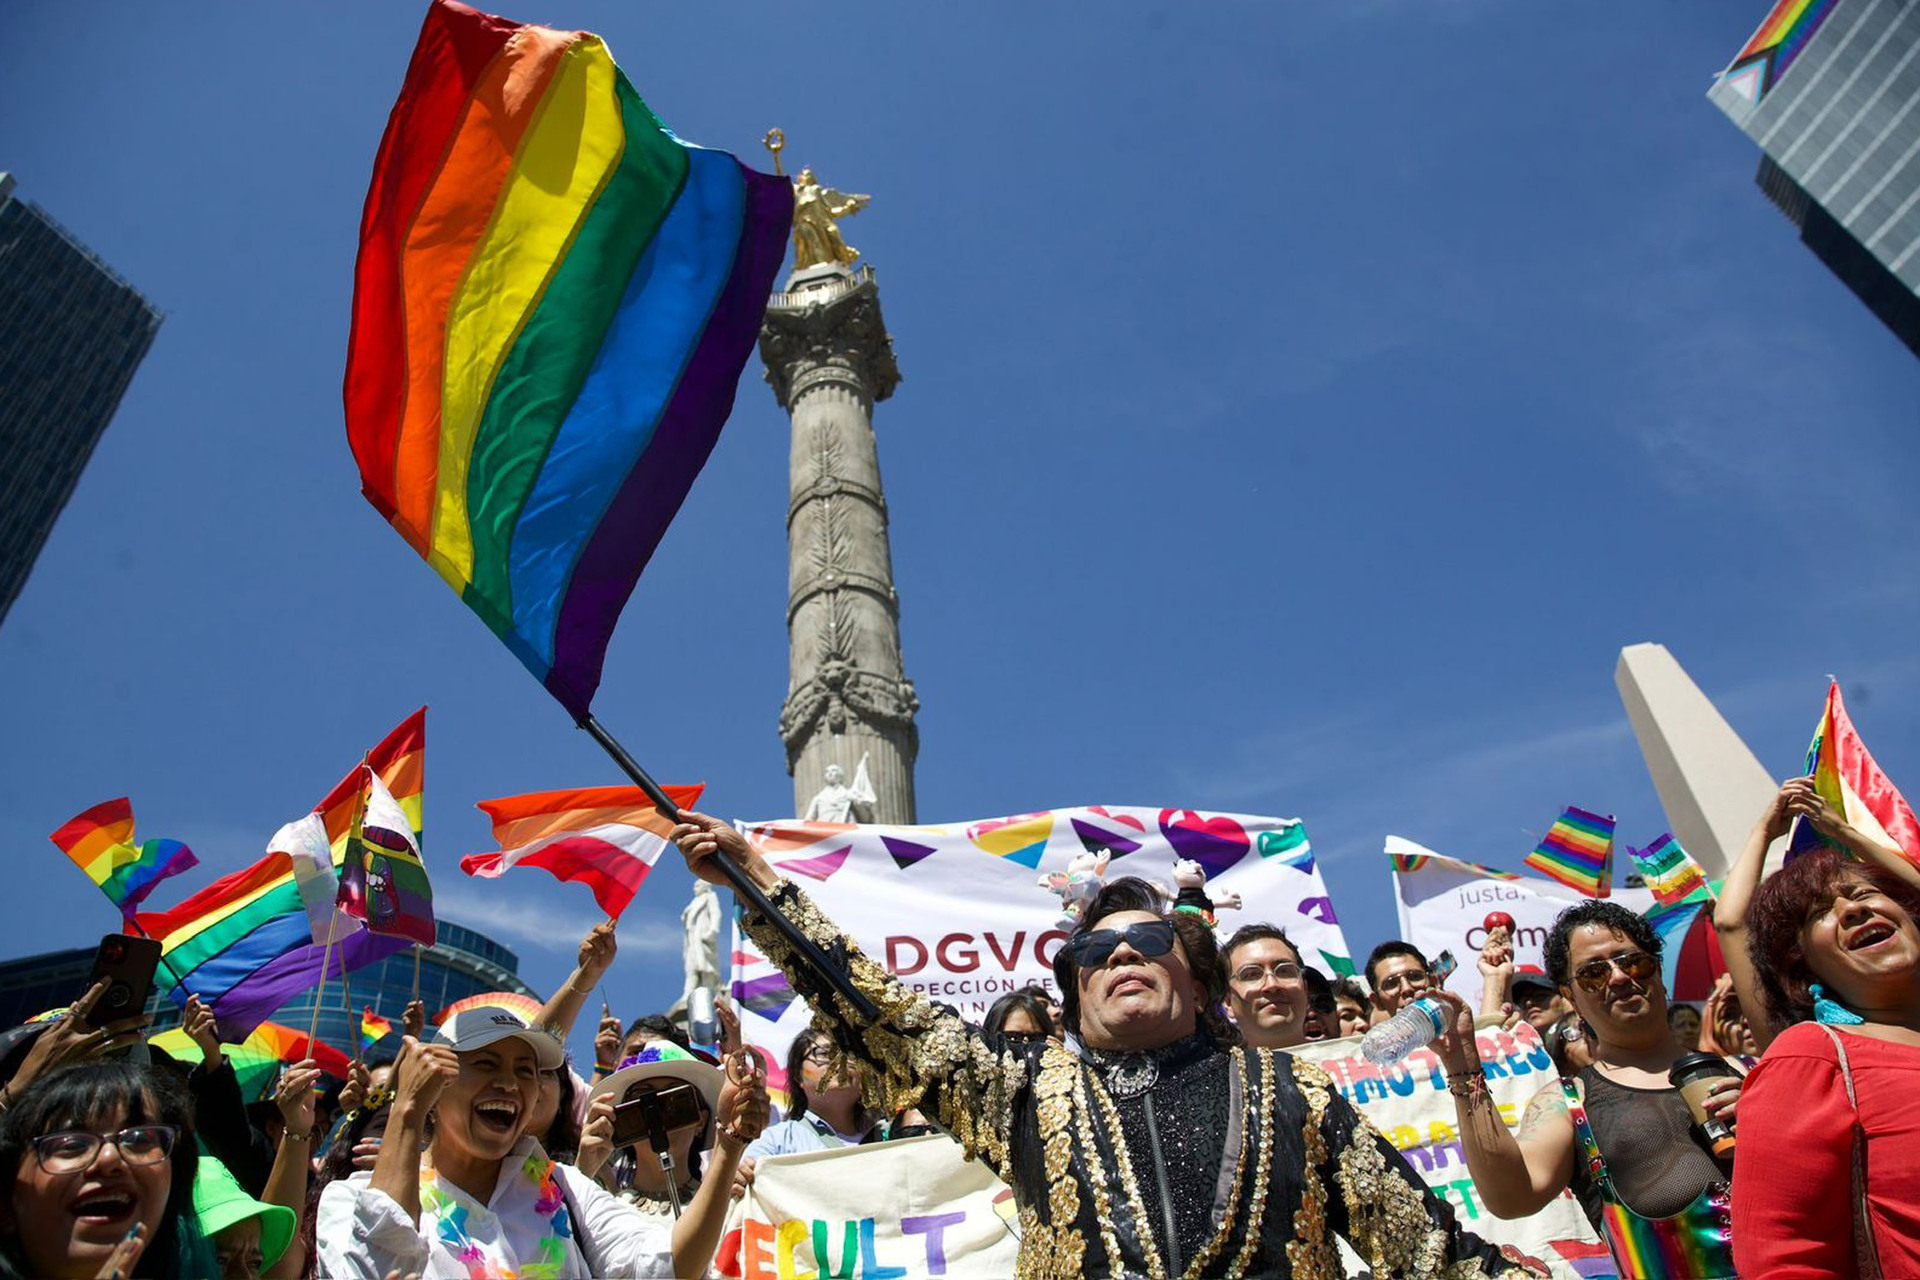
(816, 240)
(837, 802)
(700, 941)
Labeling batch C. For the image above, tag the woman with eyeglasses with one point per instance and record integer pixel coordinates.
(1618, 1133)
(102, 1161)
(1021, 1015)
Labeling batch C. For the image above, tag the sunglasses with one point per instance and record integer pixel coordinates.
(1593, 976)
(1149, 937)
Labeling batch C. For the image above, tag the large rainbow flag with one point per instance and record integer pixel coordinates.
(1846, 776)
(1578, 852)
(100, 843)
(553, 301)
(246, 943)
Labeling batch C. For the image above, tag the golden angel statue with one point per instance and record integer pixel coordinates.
(816, 239)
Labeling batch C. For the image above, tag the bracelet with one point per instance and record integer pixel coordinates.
(605, 1068)
(288, 1135)
(1467, 1083)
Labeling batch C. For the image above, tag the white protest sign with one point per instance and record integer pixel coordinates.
(1409, 1104)
(1444, 902)
(889, 1211)
(957, 911)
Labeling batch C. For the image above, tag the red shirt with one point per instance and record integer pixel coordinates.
(1793, 1163)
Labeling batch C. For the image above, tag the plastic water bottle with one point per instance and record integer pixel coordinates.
(1405, 1031)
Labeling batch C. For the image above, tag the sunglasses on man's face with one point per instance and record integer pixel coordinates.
(1149, 937)
(1593, 976)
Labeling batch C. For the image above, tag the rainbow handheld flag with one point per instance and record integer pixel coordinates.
(1846, 776)
(373, 1028)
(249, 942)
(382, 879)
(257, 1058)
(553, 300)
(1578, 852)
(1670, 872)
(100, 842)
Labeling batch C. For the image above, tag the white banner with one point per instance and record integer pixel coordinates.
(1444, 902)
(896, 1209)
(1409, 1103)
(958, 912)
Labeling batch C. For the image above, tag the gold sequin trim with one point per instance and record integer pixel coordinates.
(1256, 1211)
(1309, 1251)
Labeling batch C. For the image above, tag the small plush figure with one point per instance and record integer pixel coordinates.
(1078, 884)
(1191, 879)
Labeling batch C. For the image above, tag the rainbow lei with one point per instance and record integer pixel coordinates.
(549, 1201)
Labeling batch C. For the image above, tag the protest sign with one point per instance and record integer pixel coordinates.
(898, 1209)
(1443, 904)
(1409, 1104)
(957, 911)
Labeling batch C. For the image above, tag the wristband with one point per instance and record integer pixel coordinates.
(288, 1135)
(1467, 1083)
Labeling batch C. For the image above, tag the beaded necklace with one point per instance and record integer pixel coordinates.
(549, 1202)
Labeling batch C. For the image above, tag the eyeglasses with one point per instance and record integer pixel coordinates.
(820, 1055)
(1282, 970)
(75, 1150)
(1593, 976)
(1148, 937)
(1410, 979)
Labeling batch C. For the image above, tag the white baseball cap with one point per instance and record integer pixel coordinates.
(483, 1025)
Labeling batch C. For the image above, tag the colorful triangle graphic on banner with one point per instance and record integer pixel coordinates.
(1098, 839)
(905, 852)
(1022, 839)
(819, 868)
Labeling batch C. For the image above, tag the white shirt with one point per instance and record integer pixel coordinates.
(364, 1233)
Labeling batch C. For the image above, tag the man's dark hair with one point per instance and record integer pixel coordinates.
(1386, 951)
(658, 1026)
(1602, 914)
(1130, 893)
(1349, 986)
(1250, 933)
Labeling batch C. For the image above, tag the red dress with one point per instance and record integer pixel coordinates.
(1792, 1169)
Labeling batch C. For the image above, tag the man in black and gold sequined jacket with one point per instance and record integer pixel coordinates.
(1169, 1149)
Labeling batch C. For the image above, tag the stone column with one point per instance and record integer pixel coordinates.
(1712, 787)
(829, 358)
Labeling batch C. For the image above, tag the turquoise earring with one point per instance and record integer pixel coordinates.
(1832, 1011)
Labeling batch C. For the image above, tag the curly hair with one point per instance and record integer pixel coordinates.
(1780, 910)
(1603, 914)
(1204, 961)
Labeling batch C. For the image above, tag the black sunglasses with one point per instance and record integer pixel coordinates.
(1149, 937)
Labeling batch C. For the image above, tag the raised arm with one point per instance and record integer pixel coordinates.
(597, 950)
(1736, 896)
(286, 1185)
(921, 1054)
(1515, 1174)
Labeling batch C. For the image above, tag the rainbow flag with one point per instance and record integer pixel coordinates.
(552, 304)
(251, 941)
(1846, 776)
(1578, 852)
(373, 1028)
(383, 882)
(1670, 872)
(100, 842)
(258, 1057)
(1782, 35)
(607, 838)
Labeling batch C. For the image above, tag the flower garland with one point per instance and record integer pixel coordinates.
(549, 1201)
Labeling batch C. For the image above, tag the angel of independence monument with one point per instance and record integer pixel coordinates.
(848, 720)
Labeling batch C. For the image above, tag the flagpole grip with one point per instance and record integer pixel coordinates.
(746, 890)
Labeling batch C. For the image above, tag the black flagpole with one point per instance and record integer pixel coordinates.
(748, 891)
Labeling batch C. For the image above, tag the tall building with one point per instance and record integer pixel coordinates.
(71, 334)
(829, 358)
(462, 962)
(1830, 90)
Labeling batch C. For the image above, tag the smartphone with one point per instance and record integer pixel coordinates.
(1442, 968)
(127, 963)
(680, 1105)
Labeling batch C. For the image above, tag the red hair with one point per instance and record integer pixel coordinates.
(1779, 912)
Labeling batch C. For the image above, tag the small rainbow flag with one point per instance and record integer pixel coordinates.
(100, 842)
(1578, 852)
(1783, 33)
(382, 879)
(373, 1028)
(1847, 777)
(1670, 872)
(553, 301)
(606, 838)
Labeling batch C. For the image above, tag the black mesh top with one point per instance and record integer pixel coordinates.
(1657, 1159)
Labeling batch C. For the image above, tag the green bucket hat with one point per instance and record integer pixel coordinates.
(219, 1201)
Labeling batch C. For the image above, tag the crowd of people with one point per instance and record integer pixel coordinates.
(1146, 1110)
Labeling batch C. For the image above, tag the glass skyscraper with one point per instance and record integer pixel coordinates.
(461, 963)
(1830, 90)
(71, 334)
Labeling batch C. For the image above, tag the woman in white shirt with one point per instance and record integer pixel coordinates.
(483, 1198)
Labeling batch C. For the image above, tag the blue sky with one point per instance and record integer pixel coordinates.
(1302, 406)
